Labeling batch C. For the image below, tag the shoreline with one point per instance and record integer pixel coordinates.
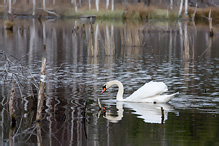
(132, 13)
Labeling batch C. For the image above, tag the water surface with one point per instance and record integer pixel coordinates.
(81, 58)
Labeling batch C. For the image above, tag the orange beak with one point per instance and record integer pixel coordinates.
(104, 89)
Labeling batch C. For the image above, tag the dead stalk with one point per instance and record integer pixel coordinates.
(41, 91)
(162, 115)
(211, 33)
(39, 134)
(193, 16)
(11, 102)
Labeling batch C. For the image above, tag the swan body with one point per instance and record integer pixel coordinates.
(149, 92)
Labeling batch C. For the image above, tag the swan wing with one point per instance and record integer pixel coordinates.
(148, 90)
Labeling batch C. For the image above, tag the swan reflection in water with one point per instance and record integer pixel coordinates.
(149, 112)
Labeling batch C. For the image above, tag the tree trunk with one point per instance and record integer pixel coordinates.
(180, 8)
(171, 4)
(107, 4)
(76, 6)
(34, 6)
(9, 6)
(11, 103)
(89, 4)
(112, 8)
(97, 5)
(44, 5)
(186, 7)
(41, 91)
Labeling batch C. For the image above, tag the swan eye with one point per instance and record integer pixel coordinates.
(104, 89)
(104, 86)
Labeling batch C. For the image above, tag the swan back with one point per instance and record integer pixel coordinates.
(148, 90)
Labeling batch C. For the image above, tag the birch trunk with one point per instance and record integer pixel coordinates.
(89, 1)
(180, 8)
(76, 6)
(186, 7)
(34, 6)
(107, 4)
(171, 4)
(44, 5)
(9, 6)
(97, 5)
(112, 8)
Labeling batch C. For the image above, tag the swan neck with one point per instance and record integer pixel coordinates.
(120, 92)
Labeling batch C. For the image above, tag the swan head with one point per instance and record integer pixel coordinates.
(109, 84)
(106, 86)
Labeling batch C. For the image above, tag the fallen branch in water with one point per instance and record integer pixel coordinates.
(50, 12)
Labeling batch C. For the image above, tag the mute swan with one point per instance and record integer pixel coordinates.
(150, 92)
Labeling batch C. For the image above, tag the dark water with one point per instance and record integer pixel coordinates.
(80, 59)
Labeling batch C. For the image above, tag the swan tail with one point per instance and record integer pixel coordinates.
(164, 98)
(169, 97)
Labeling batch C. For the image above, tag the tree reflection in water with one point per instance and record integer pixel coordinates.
(80, 59)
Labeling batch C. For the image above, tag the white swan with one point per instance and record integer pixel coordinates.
(150, 92)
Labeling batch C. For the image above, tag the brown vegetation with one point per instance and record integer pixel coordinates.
(138, 11)
(202, 13)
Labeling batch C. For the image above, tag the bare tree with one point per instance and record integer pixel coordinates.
(180, 8)
(44, 5)
(97, 5)
(76, 6)
(107, 4)
(171, 4)
(89, 1)
(34, 6)
(9, 7)
(112, 8)
(186, 7)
